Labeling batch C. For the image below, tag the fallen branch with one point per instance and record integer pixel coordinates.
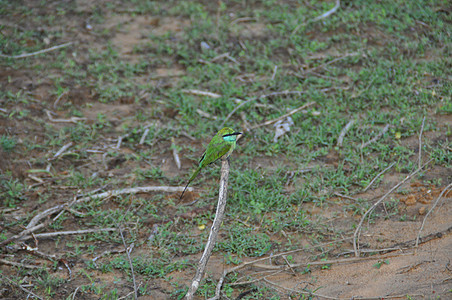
(145, 189)
(376, 138)
(328, 13)
(205, 114)
(35, 220)
(21, 287)
(378, 176)
(19, 265)
(175, 153)
(32, 228)
(23, 233)
(358, 229)
(219, 215)
(143, 137)
(202, 93)
(326, 262)
(283, 116)
(429, 212)
(322, 16)
(58, 99)
(64, 148)
(128, 250)
(420, 142)
(71, 120)
(58, 233)
(344, 131)
(332, 62)
(226, 272)
(235, 109)
(302, 292)
(37, 52)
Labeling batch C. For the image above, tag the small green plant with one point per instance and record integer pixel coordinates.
(380, 263)
(7, 143)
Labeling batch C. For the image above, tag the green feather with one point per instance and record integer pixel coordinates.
(221, 146)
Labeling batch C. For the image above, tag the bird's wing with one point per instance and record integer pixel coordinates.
(202, 157)
(219, 150)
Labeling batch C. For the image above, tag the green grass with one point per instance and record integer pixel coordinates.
(379, 63)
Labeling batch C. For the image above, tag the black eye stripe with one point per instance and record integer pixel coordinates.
(235, 133)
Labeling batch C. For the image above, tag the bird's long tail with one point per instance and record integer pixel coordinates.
(190, 180)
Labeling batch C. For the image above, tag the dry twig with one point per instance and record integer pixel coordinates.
(175, 153)
(145, 189)
(235, 109)
(332, 62)
(283, 116)
(344, 131)
(378, 136)
(358, 229)
(21, 287)
(202, 93)
(37, 52)
(430, 211)
(205, 114)
(57, 233)
(378, 176)
(71, 120)
(19, 265)
(143, 137)
(64, 148)
(58, 99)
(130, 263)
(226, 272)
(420, 142)
(23, 233)
(274, 73)
(322, 16)
(219, 215)
(300, 292)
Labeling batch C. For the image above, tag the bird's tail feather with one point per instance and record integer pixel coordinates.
(190, 180)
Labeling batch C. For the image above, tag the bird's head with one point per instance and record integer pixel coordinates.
(228, 134)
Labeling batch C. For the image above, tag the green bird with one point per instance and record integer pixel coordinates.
(221, 146)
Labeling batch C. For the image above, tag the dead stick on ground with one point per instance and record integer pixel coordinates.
(358, 229)
(219, 215)
(21, 287)
(50, 211)
(283, 116)
(378, 176)
(175, 153)
(20, 235)
(202, 93)
(145, 189)
(379, 135)
(37, 52)
(431, 209)
(420, 142)
(235, 109)
(327, 262)
(64, 148)
(322, 16)
(19, 265)
(130, 262)
(31, 228)
(226, 272)
(57, 233)
(301, 292)
(344, 131)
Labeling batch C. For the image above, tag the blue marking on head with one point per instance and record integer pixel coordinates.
(230, 138)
